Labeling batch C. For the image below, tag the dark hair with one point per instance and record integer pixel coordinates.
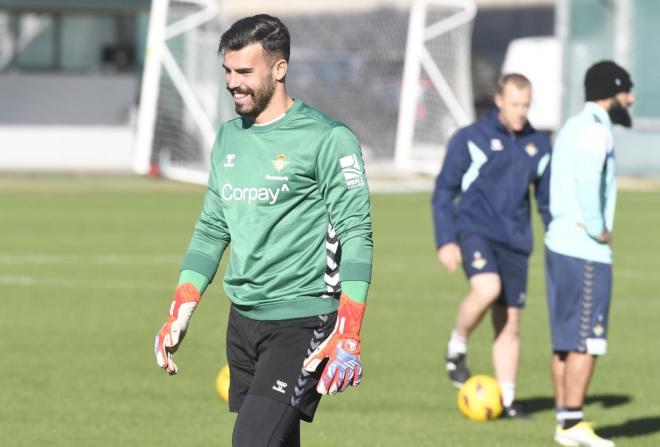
(517, 79)
(267, 30)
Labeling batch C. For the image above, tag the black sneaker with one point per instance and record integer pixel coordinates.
(515, 411)
(457, 369)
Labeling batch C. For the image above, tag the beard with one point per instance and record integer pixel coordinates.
(260, 98)
(619, 114)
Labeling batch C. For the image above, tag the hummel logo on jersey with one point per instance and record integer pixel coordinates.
(352, 171)
(280, 163)
(279, 386)
(230, 160)
(496, 144)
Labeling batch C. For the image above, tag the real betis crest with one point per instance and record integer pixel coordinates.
(280, 163)
(598, 330)
(478, 261)
(531, 149)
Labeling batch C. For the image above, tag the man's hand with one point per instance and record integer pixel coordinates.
(186, 297)
(605, 237)
(342, 348)
(449, 256)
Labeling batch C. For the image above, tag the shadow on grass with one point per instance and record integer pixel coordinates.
(631, 428)
(537, 404)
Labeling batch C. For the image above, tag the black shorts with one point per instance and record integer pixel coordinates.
(265, 358)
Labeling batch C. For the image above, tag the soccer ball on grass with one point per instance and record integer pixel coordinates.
(480, 399)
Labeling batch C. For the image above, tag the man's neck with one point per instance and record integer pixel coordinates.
(604, 104)
(503, 123)
(278, 106)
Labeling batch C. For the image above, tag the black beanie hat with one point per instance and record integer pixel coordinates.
(604, 80)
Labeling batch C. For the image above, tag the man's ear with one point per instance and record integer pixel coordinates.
(279, 69)
(497, 99)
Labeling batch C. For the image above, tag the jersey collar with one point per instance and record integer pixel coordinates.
(598, 112)
(248, 123)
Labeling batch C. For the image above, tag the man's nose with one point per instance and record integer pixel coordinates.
(232, 80)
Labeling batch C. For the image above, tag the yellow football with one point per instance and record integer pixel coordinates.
(222, 383)
(480, 398)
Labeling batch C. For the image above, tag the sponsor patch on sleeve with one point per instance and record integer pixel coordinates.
(350, 167)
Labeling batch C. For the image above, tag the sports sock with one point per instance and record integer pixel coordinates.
(570, 417)
(457, 344)
(559, 411)
(508, 393)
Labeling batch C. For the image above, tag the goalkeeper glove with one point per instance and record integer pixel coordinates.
(342, 348)
(186, 297)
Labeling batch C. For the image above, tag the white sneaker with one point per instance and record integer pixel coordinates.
(581, 434)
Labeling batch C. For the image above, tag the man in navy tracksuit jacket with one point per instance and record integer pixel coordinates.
(481, 212)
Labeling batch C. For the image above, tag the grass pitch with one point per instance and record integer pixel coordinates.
(88, 266)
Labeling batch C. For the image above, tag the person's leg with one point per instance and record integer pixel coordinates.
(558, 373)
(484, 290)
(579, 367)
(506, 349)
(480, 266)
(241, 357)
(572, 429)
(505, 316)
(594, 297)
(571, 379)
(563, 279)
(265, 422)
(579, 304)
(281, 393)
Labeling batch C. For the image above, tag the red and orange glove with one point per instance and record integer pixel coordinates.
(342, 348)
(186, 297)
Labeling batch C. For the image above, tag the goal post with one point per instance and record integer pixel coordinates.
(398, 74)
(179, 90)
(418, 149)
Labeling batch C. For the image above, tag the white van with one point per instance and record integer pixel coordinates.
(539, 58)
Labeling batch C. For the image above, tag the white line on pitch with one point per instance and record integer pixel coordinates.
(31, 281)
(36, 258)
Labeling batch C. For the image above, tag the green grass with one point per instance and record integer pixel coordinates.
(88, 265)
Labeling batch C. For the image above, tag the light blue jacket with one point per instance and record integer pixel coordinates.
(583, 186)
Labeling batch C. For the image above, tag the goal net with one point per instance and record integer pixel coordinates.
(181, 100)
(399, 77)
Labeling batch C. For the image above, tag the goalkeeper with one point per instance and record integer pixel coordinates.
(288, 190)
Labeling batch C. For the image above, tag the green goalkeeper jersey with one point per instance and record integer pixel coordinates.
(292, 198)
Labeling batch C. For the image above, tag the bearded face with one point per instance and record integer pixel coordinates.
(619, 105)
(619, 113)
(251, 102)
(250, 78)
